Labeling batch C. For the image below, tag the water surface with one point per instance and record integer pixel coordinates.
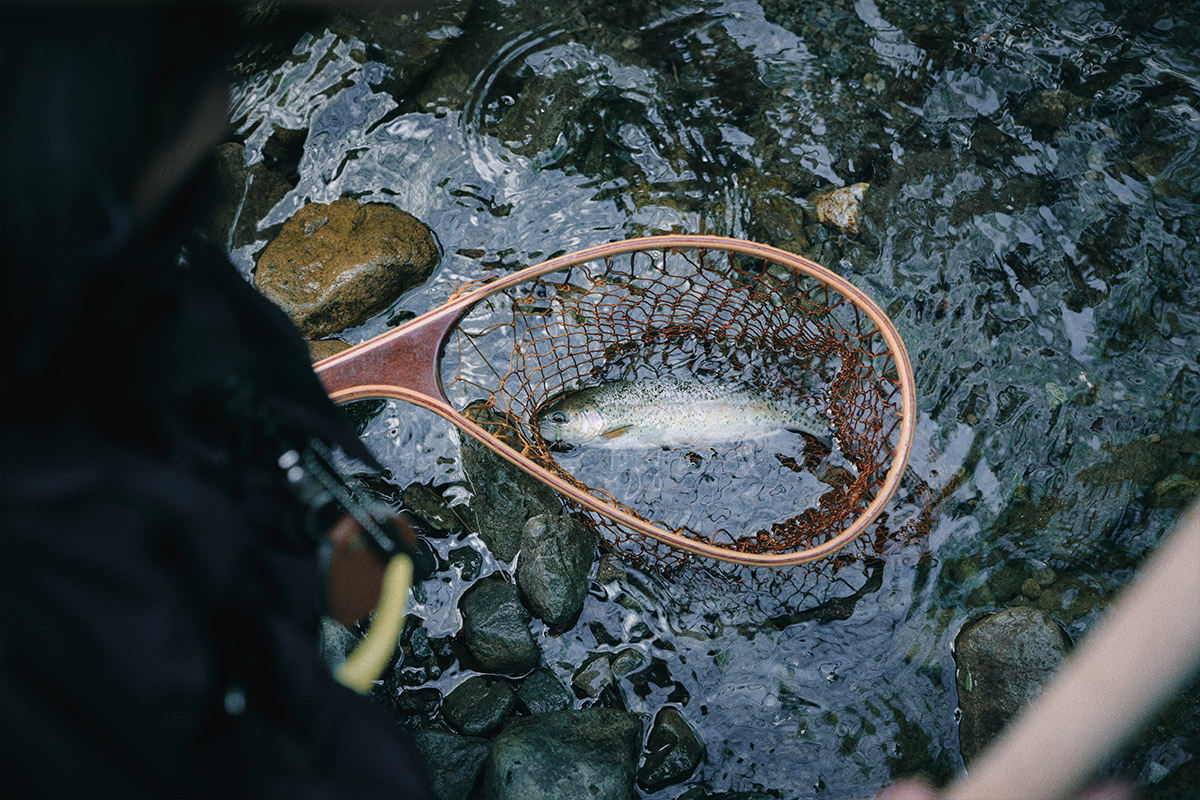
(1030, 225)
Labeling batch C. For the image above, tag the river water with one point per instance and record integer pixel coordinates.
(1030, 225)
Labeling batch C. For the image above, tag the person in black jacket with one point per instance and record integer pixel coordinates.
(160, 581)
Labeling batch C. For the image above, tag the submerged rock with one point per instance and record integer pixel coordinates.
(1176, 491)
(428, 504)
(334, 266)
(453, 761)
(699, 793)
(244, 195)
(478, 705)
(556, 556)
(542, 692)
(841, 208)
(673, 750)
(505, 497)
(1003, 661)
(589, 754)
(496, 628)
(408, 41)
(594, 676)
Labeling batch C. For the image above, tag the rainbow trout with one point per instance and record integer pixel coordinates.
(672, 412)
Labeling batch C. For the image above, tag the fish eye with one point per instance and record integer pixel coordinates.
(558, 418)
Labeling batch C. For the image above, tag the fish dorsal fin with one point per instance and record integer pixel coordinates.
(613, 433)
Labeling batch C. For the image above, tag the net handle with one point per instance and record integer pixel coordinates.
(404, 364)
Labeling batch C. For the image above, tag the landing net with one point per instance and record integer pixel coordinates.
(711, 314)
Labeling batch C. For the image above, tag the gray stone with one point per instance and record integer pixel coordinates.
(1003, 661)
(334, 266)
(541, 692)
(505, 497)
(1045, 576)
(699, 793)
(426, 503)
(467, 560)
(594, 676)
(496, 628)
(406, 39)
(673, 750)
(556, 556)
(589, 754)
(452, 760)
(414, 701)
(478, 705)
(244, 195)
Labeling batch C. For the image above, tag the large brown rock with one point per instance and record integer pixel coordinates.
(334, 266)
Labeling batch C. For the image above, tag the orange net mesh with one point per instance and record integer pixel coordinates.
(724, 317)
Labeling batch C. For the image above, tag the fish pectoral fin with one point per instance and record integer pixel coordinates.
(613, 433)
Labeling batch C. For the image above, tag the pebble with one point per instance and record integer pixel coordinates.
(478, 705)
(1045, 576)
(841, 208)
(594, 676)
(541, 692)
(673, 750)
(427, 504)
(557, 552)
(496, 628)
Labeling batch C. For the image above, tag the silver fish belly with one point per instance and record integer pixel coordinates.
(673, 412)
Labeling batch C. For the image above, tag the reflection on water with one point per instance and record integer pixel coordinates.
(1030, 225)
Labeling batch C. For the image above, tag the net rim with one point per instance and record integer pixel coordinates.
(444, 318)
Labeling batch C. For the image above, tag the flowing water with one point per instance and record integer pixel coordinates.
(1030, 224)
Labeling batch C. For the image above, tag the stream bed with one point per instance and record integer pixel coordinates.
(1030, 222)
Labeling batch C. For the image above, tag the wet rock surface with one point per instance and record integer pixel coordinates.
(324, 348)
(556, 557)
(244, 195)
(478, 705)
(506, 499)
(698, 793)
(431, 507)
(1003, 661)
(454, 761)
(587, 754)
(496, 628)
(334, 266)
(673, 750)
(407, 40)
(541, 692)
(841, 208)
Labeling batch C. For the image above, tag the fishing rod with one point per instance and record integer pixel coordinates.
(368, 556)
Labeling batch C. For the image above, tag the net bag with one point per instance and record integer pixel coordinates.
(720, 312)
